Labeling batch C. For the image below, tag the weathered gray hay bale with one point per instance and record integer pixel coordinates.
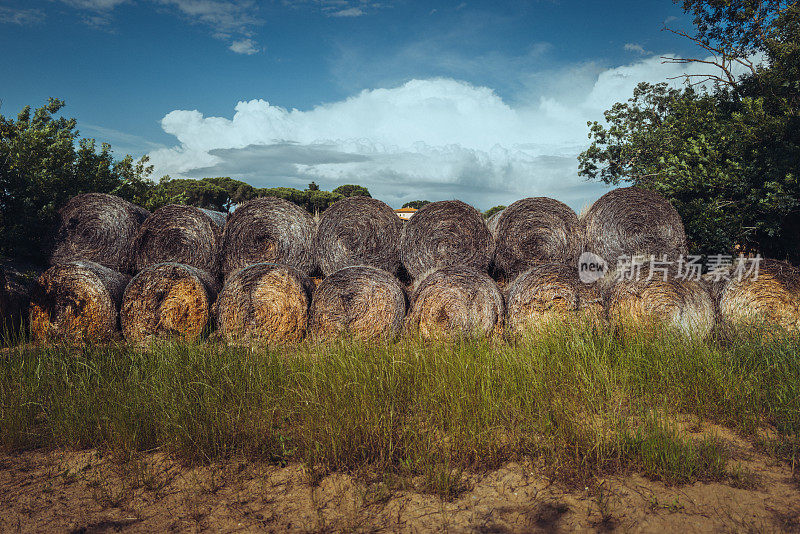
(548, 294)
(358, 231)
(684, 304)
(100, 228)
(362, 301)
(632, 221)
(448, 233)
(771, 297)
(168, 299)
(535, 231)
(77, 300)
(265, 301)
(267, 229)
(456, 301)
(181, 234)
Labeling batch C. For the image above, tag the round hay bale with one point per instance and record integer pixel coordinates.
(773, 296)
(550, 293)
(448, 233)
(181, 234)
(265, 301)
(535, 231)
(362, 301)
(75, 301)
(100, 228)
(631, 221)
(167, 299)
(358, 231)
(681, 303)
(267, 229)
(456, 301)
(17, 280)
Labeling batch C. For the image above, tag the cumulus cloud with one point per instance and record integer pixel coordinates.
(20, 17)
(433, 138)
(245, 46)
(349, 12)
(634, 47)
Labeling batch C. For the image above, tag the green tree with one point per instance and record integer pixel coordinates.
(728, 158)
(43, 163)
(237, 190)
(313, 187)
(491, 211)
(416, 204)
(350, 190)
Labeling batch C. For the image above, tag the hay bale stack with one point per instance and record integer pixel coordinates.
(100, 228)
(550, 293)
(181, 234)
(456, 301)
(267, 229)
(448, 233)
(167, 299)
(362, 301)
(632, 221)
(75, 301)
(771, 297)
(16, 283)
(358, 231)
(492, 221)
(265, 301)
(535, 231)
(684, 304)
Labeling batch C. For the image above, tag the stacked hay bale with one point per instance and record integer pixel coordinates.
(448, 233)
(549, 295)
(77, 300)
(100, 228)
(362, 301)
(182, 234)
(358, 231)
(769, 294)
(656, 297)
(456, 301)
(266, 302)
(630, 221)
(17, 280)
(535, 231)
(267, 229)
(168, 299)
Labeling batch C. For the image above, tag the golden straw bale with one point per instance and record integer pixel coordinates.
(548, 294)
(100, 228)
(358, 231)
(265, 301)
(267, 229)
(770, 295)
(181, 234)
(631, 221)
(362, 301)
(75, 301)
(456, 301)
(685, 304)
(168, 299)
(444, 234)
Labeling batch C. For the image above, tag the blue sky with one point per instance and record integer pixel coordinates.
(481, 101)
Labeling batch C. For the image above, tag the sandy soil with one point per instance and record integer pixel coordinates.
(84, 492)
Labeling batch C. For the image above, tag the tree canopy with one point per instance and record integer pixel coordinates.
(728, 158)
(350, 190)
(416, 204)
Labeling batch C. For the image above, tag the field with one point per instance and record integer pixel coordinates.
(632, 428)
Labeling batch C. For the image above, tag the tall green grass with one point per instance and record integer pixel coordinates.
(586, 401)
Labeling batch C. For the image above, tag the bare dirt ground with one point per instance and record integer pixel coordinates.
(83, 491)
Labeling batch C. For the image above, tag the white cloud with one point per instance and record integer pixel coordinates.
(245, 46)
(434, 138)
(349, 12)
(95, 5)
(634, 47)
(21, 17)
